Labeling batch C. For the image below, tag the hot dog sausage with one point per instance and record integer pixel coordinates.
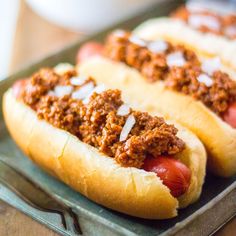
(174, 174)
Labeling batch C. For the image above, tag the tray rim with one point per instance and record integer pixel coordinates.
(204, 208)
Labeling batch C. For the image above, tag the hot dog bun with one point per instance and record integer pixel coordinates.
(206, 45)
(218, 137)
(98, 177)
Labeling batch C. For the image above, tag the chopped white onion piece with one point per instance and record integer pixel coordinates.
(211, 65)
(230, 30)
(62, 90)
(86, 100)
(119, 33)
(127, 128)
(203, 78)
(175, 59)
(98, 89)
(78, 80)
(51, 93)
(158, 46)
(197, 21)
(136, 40)
(63, 68)
(123, 110)
(83, 92)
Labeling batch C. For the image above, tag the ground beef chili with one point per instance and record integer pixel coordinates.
(97, 121)
(178, 67)
(207, 21)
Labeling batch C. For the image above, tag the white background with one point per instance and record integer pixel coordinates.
(8, 18)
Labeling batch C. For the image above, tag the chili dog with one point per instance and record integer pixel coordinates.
(207, 20)
(167, 78)
(85, 135)
(208, 33)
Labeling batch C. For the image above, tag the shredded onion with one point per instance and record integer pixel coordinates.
(63, 68)
(203, 78)
(51, 93)
(158, 46)
(127, 128)
(123, 110)
(211, 65)
(134, 39)
(175, 59)
(83, 92)
(198, 20)
(98, 89)
(78, 80)
(61, 90)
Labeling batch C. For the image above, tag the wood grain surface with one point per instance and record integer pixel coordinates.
(35, 37)
(14, 223)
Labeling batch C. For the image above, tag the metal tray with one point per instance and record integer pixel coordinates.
(216, 206)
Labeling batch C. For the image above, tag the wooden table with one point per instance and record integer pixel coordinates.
(34, 38)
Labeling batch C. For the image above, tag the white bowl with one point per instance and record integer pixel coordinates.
(86, 15)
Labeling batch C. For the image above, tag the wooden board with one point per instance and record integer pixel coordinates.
(13, 222)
